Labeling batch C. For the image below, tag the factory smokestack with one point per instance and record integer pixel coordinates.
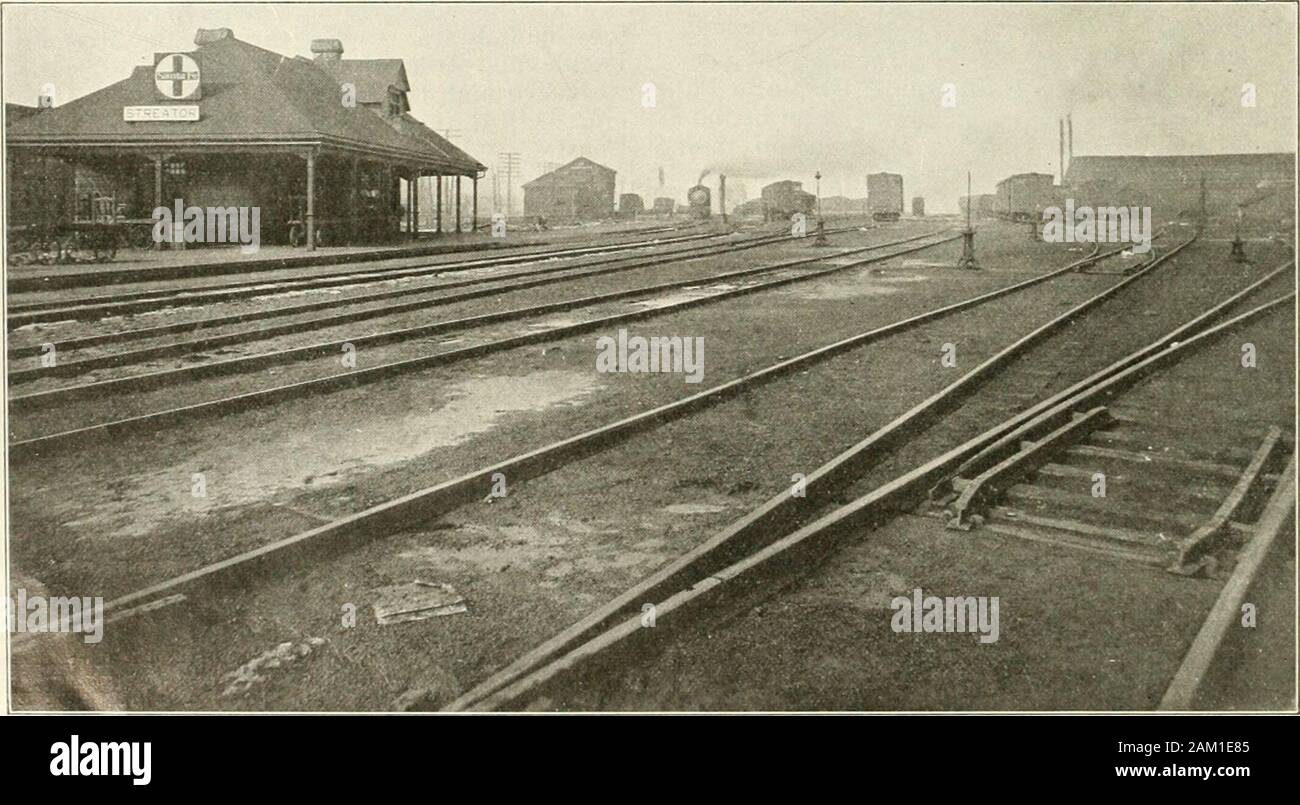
(722, 196)
(1060, 161)
(1069, 127)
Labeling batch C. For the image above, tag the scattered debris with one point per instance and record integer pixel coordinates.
(247, 675)
(416, 601)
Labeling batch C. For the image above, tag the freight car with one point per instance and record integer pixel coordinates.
(785, 198)
(752, 209)
(630, 205)
(885, 196)
(1024, 196)
(664, 206)
(701, 202)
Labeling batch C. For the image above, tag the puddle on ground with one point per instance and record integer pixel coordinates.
(887, 277)
(557, 548)
(857, 285)
(42, 326)
(314, 453)
(551, 324)
(673, 298)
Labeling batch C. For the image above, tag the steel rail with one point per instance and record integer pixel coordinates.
(19, 403)
(1277, 519)
(207, 342)
(25, 448)
(783, 510)
(600, 267)
(433, 501)
(790, 555)
(30, 350)
(350, 276)
(116, 305)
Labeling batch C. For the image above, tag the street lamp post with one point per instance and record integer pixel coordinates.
(821, 225)
(1238, 245)
(967, 260)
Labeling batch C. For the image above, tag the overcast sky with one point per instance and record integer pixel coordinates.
(764, 91)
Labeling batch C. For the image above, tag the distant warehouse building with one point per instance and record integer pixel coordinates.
(1263, 185)
(581, 190)
(327, 140)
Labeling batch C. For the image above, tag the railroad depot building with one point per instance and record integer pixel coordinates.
(581, 190)
(326, 147)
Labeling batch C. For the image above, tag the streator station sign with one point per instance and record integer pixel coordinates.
(176, 77)
(139, 114)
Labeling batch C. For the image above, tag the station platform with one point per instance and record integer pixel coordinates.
(145, 265)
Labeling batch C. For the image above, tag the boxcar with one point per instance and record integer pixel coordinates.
(1023, 197)
(885, 196)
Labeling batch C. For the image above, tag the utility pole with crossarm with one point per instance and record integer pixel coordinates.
(508, 162)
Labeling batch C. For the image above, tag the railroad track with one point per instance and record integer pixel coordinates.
(89, 307)
(26, 446)
(781, 539)
(59, 280)
(156, 300)
(429, 503)
(66, 368)
(496, 284)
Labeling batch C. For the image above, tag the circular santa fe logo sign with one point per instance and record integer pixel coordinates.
(176, 76)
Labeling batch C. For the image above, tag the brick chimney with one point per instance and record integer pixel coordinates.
(327, 49)
(206, 36)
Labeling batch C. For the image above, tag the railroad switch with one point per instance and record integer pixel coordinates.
(821, 234)
(967, 260)
(1239, 250)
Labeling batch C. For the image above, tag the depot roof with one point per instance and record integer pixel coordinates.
(248, 96)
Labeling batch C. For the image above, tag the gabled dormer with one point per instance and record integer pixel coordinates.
(381, 84)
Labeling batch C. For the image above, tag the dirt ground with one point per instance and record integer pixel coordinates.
(1078, 631)
(111, 521)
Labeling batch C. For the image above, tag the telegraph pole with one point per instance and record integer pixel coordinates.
(508, 162)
